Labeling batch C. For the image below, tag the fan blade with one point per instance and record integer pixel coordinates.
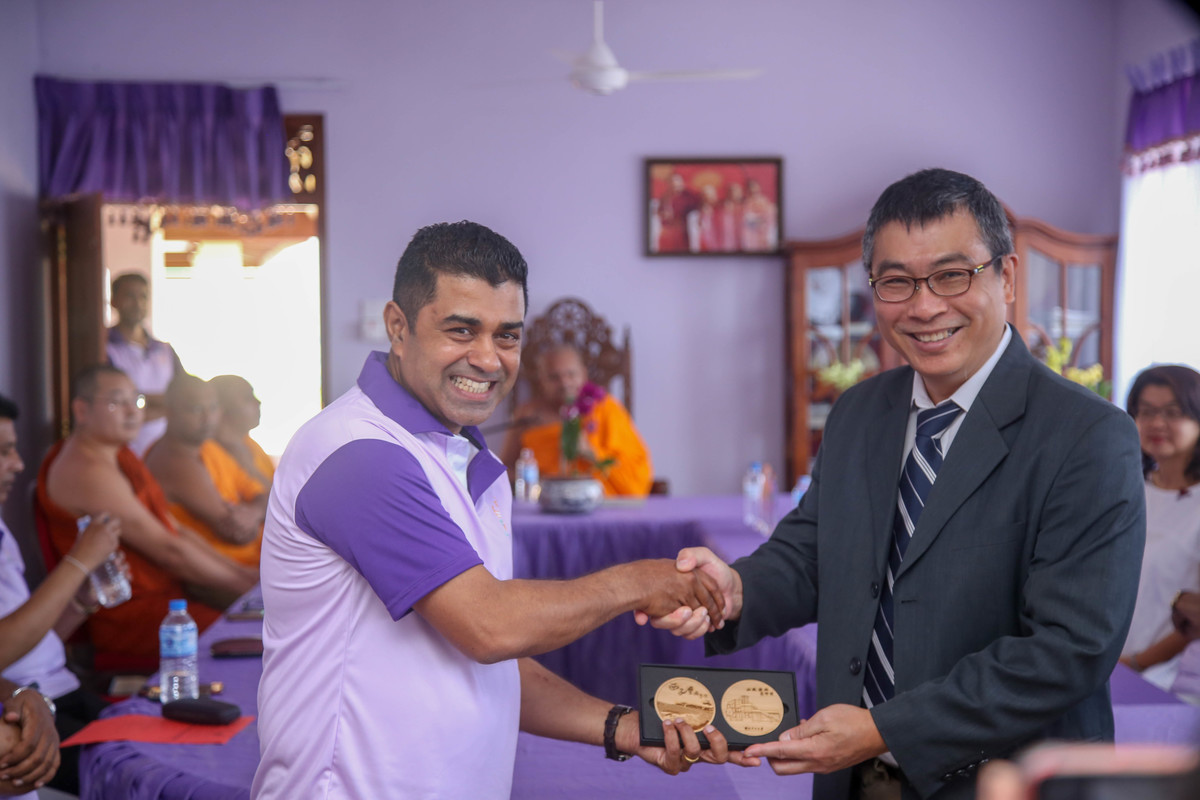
(696, 75)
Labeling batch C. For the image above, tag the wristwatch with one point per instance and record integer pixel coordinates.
(610, 733)
(33, 688)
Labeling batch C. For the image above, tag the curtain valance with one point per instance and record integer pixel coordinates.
(1164, 112)
(184, 143)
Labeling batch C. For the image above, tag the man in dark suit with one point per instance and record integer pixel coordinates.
(983, 605)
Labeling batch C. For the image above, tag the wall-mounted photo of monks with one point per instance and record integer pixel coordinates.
(713, 206)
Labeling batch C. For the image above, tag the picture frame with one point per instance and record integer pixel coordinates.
(713, 206)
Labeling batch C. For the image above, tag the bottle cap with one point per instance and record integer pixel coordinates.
(177, 605)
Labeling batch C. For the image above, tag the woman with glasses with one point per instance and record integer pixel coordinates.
(1165, 403)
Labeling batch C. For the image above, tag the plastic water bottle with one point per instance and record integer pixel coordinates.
(753, 486)
(178, 677)
(110, 584)
(527, 486)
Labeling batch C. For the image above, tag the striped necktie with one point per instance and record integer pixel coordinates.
(920, 471)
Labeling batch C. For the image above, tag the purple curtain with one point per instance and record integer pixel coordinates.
(185, 143)
(1166, 106)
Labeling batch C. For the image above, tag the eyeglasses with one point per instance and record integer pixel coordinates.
(1168, 413)
(943, 283)
(115, 402)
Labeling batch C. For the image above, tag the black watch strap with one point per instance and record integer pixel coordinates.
(610, 733)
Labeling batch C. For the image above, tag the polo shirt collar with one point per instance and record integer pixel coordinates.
(115, 336)
(398, 405)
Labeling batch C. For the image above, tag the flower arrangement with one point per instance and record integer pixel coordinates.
(841, 375)
(1058, 358)
(574, 412)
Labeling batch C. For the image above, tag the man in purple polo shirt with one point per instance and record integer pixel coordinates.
(149, 363)
(389, 502)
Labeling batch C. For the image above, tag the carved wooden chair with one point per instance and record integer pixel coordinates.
(570, 321)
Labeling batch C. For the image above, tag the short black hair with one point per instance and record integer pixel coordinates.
(84, 384)
(1184, 383)
(8, 409)
(454, 248)
(128, 277)
(934, 194)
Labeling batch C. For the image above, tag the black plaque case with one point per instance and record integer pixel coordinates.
(716, 680)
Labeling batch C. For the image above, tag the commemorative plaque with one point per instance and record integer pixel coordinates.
(746, 705)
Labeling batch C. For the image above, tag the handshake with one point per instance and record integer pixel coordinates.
(690, 596)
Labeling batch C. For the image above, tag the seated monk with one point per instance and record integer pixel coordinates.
(93, 470)
(240, 414)
(608, 429)
(207, 490)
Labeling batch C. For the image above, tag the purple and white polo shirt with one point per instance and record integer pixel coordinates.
(374, 505)
(46, 663)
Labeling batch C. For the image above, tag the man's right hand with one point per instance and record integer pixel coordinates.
(682, 622)
(668, 588)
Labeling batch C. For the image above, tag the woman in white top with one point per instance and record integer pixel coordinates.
(1165, 404)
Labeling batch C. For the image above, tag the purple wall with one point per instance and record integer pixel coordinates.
(456, 110)
(21, 355)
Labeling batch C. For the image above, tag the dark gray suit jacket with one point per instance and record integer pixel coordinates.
(1016, 591)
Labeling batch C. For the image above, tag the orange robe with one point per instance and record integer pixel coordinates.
(131, 629)
(262, 461)
(611, 434)
(234, 485)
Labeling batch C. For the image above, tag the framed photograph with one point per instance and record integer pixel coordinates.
(713, 206)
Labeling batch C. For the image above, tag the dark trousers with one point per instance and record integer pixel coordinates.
(75, 710)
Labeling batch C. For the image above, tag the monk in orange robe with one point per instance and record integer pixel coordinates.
(207, 489)
(93, 471)
(608, 432)
(240, 414)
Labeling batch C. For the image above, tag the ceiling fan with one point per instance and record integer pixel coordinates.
(598, 72)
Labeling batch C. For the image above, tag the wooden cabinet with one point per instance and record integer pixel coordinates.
(832, 337)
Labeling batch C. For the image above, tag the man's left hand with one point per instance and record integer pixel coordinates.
(681, 747)
(836, 737)
(34, 759)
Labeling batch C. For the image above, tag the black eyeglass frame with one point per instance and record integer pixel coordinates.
(915, 283)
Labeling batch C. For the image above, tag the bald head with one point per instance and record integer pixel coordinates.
(192, 410)
(240, 409)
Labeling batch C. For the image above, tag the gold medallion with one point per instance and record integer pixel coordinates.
(687, 699)
(752, 708)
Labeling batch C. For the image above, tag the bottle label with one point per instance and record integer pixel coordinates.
(177, 642)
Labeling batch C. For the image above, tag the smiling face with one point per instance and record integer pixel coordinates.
(945, 339)
(461, 357)
(10, 460)
(1168, 435)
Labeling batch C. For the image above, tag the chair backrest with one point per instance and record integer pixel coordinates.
(571, 321)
